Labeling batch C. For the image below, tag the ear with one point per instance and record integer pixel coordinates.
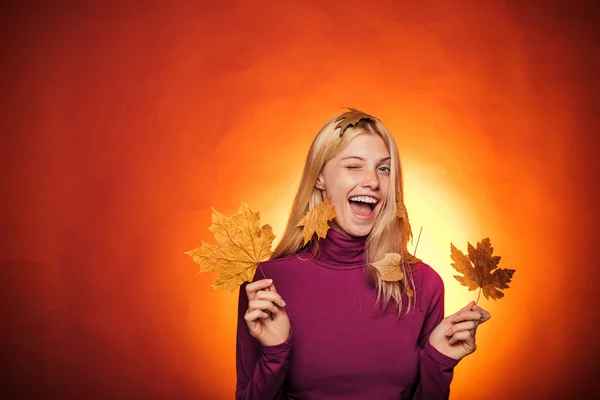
(320, 182)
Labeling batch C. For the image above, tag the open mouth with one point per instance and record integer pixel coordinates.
(363, 206)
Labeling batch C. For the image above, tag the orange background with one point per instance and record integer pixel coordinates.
(123, 125)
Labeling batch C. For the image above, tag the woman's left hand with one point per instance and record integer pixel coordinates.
(455, 335)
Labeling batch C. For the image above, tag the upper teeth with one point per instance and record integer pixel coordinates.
(364, 199)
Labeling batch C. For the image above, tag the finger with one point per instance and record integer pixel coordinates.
(264, 305)
(464, 309)
(271, 296)
(461, 327)
(464, 336)
(468, 307)
(254, 315)
(253, 287)
(484, 314)
(467, 316)
(273, 288)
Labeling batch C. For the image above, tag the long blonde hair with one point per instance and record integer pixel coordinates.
(386, 236)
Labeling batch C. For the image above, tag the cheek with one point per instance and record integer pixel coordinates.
(339, 199)
(337, 195)
(385, 185)
(340, 188)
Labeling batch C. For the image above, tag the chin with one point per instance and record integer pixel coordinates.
(350, 231)
(359, 232)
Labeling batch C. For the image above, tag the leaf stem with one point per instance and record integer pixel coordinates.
(477, 301)
(262, 272)
(417, 245)
(269, 289)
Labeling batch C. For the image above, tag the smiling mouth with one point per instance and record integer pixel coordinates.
(363, 206)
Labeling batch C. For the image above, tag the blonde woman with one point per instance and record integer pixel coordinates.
(355, 336)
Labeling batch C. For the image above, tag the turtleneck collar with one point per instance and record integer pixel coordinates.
(338, 251)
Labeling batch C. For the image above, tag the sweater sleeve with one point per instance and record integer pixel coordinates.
(436, 369)
(260, 369)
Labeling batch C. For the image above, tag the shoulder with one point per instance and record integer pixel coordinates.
(427, 281)
(426, 276)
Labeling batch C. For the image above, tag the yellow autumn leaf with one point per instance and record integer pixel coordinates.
(389, 267)
(403, 215)
(243, 243)
(315, 221)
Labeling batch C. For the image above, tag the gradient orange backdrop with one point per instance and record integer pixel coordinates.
(123, 125)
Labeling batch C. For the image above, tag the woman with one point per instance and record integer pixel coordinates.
(355, 336)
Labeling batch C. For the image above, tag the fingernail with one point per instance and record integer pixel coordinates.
(270, 280)
(275, 308)
(283, 302)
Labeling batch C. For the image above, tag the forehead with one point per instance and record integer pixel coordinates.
(365, 145)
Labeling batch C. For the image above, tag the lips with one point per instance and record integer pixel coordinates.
(364, 199)
(363, 207)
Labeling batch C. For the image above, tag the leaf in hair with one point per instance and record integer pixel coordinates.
(403, 215)
(480, 270)
(351, 118)
(316, 221)
(243, 243)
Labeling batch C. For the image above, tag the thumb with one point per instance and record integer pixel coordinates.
(465, 308)
(272, 288)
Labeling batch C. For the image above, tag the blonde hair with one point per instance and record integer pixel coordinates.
(386, 236)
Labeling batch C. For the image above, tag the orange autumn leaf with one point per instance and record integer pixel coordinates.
(243, 243)
(351, 118)
(480, 270)
(316, 221)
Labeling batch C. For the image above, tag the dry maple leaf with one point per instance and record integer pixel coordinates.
(351, 118)
(315, 221)
(243, 243)
(389, 267)
(480, 270)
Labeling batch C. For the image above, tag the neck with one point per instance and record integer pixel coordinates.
(339, 229)
(339, 250)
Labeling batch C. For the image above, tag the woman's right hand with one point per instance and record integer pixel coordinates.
(263, 300)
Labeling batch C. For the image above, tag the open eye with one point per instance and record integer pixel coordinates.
(385, 170)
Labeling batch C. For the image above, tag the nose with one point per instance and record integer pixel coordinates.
(370, 180)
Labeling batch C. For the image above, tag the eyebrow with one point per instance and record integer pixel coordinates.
(362, 159)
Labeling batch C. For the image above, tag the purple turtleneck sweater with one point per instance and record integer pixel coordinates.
(341, 346)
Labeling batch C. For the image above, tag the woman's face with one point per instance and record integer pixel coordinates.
(356, 181)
